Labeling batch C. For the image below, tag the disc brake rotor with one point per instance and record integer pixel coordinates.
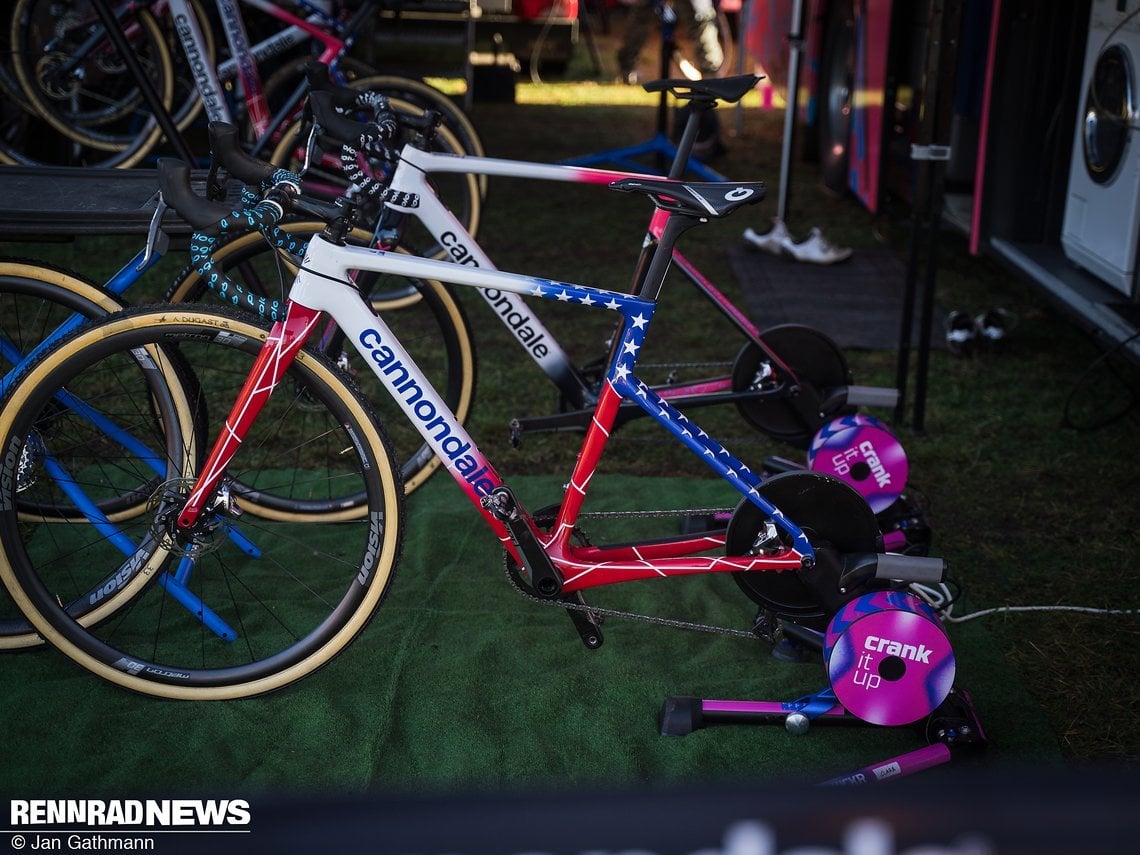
(818, 365)
(836, 520)
(207, 535)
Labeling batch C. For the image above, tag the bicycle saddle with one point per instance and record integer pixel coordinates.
(726, 89)
(697, 198)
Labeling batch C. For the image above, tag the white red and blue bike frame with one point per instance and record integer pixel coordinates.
(313, 294)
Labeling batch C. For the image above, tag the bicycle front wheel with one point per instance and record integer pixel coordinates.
(240, 605)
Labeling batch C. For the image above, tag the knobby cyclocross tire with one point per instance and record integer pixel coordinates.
(38, 297)
(38, 301)
(240, 605)
(423, 313)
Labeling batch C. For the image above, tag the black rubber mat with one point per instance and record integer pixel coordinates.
(858, 303)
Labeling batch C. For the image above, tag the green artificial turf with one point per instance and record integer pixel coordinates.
(460, 684)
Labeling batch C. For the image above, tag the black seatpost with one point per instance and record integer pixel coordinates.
(697, 109)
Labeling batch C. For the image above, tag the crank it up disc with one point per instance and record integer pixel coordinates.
(888, 658)
(861, 450)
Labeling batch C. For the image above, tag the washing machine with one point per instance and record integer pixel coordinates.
(1101, 225)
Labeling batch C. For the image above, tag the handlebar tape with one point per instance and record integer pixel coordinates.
(214, 221)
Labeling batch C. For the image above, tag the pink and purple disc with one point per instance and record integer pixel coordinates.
(861, 450)
(888, 658)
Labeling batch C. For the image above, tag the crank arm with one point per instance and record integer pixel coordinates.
(540, 572)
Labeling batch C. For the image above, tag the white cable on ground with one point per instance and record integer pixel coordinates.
(941, 600)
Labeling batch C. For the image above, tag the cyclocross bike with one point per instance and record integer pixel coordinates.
(790, 382)
(285, 597)
(786, 382)
(40, 304)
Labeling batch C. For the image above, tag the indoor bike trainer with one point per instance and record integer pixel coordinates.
(889, 663)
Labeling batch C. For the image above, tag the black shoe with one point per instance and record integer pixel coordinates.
(992, 326)
(960, 333)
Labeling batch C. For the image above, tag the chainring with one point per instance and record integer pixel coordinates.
(835, 518)
(818, 364)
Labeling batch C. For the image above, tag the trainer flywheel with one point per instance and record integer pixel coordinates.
(862, 451)
(888, 658)
(818, 365)
(835, 518)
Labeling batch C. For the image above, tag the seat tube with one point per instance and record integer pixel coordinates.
(598, 433)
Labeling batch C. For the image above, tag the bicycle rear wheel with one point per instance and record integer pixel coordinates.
(424, 314)
(240, 605)
(82, 87)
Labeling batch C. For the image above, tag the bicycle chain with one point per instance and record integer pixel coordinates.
(602, 612)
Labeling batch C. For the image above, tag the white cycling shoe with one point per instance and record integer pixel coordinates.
(774, 241)
(816, 249)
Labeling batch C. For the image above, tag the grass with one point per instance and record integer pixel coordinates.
(1026, 463)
